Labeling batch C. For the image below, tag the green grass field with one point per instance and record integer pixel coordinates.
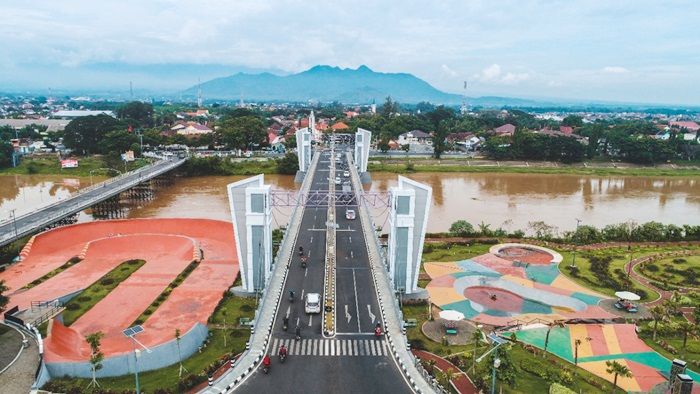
(680, 271)
(457, 165)
(99, 290)
(620, 257)
(51, 165)
(441, 251)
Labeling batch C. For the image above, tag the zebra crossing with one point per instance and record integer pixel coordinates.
(332, 347)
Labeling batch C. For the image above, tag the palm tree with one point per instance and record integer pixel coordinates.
(448, 375)
(3, 298)
(478, 338)
(617, 369)
(430, 366)
(556, 323)
(179, 356)
(686, 328)
(657, 313)
(96, 355)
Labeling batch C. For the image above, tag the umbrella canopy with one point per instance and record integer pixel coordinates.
(626, 295)
(451, 315)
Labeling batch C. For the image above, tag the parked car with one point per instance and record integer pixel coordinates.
(350, 214)
(338, 181)
(312, 303)
(346, 174)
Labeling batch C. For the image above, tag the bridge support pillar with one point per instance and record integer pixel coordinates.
(410, 202)
(251, 212)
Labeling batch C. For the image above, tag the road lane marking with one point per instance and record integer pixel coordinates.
(371, 315)
(352, 256)
(311, 319)
(289, 308)
(302, 295)
(357, 307)
(347, 314)
(312, 240)
(350, 239)
(366, 347)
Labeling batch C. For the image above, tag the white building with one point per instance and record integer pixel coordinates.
(414, 137)
(72, 114)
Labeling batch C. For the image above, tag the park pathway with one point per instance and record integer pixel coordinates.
(19, 377)
(461, 381)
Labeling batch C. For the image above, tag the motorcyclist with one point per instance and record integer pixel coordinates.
(301, 251)
(283, 351)
(291, 295)
(297, 332)
(266, 363)
(378, 330)
(285, 323)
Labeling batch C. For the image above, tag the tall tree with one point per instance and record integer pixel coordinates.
(6, 152)
(137, 113)
(3, 298)
(389, 108)
(84, 134)
(658, 313)
(96, 355)
(556, 323)
(439, 142)
(686, 328)
(118, 141)
(617, 369)
(179, 355)
(477, 339)
(243, 132)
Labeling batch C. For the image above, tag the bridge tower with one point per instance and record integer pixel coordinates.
(408, 220)
(363, 138)
(251, 212)
(304, 152)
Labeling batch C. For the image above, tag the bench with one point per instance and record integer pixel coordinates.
(410, 323)
(451, 331)
(244, 321)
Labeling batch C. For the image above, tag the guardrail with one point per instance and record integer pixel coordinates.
(388, 303)
(266, 313)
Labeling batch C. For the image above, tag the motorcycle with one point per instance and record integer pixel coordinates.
(378, 331)
(303, 262)
(283, 357)
(266, 369)
(291, 296)
(298, 333)
(285, 324)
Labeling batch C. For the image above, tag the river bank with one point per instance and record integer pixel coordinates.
(92, 165)
(468, 165)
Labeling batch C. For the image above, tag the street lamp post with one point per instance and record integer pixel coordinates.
(14, 220)
(137, 353)
(573, 261)
(496, 364)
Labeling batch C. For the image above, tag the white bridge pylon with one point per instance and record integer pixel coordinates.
(251, 213)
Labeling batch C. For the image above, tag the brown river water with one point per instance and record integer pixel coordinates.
(501, 200)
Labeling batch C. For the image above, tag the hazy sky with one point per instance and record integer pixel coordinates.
(635, 51)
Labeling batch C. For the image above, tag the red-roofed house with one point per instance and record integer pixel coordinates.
(690, 125)
(505, 130)
(568, 130)
(191, 129)
(339, 126)
(303, 122)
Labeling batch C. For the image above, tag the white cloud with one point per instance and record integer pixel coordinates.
(615, 70)
(494, 74)
(448, 71)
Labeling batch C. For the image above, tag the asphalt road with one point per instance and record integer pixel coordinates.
(354, 361)
(35, 221)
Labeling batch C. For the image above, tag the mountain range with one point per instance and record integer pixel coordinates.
(324, 84)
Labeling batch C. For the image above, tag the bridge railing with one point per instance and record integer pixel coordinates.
(84, 190)
(388, 303)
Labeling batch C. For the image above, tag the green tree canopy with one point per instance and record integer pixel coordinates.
(289, 164)
(118, 141)
(6, 151)
(136, 113)
(84, 134)
(242, 132)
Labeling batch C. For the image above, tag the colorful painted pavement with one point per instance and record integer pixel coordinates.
(498, 289)
(603, 342)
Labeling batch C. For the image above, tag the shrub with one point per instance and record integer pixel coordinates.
(680, 261)
(72, 307)
(245, 308)
(107, 281)
(84, 298)
(148, 312)
(652, 268)
(74, 260)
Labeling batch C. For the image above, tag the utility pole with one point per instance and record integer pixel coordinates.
(573, 262)
(14, 220)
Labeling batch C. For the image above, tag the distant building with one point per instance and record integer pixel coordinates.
(690, 125)
(505, 130)
(568, 130)
(72, 114)
(52, 125)
(190, 129)
(339, 127)
(414, 137)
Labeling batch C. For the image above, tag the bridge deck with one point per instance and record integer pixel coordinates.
(21, 226)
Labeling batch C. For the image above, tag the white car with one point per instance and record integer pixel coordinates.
(312, 303)
(350, 214)
(346, 174)
(338, 181)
